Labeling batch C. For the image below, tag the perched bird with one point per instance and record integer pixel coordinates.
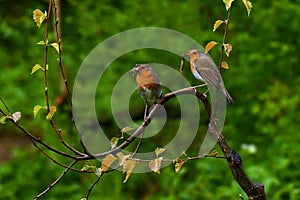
(148, 83)
(204, 69)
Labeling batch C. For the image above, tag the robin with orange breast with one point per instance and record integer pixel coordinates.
(204, 69)
(148, 83)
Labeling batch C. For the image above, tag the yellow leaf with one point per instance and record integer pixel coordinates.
(41, 43)
(114, 142)
(178, 165)
(35, 68)
(224, 65)
(128, 168)
(126, 129)
(228, 3)
(36, 109)
(209, 46)
(108, 160)
(248, 6)
(217, 24)
(159, 151)
(52, 110)
(39, 17)
(16, 116)
(155, 164)
(227, 48)
(55, 45)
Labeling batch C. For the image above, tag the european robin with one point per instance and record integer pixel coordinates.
(148, 83)
(204, 69)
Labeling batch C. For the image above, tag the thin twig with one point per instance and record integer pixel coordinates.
(92, 186)
(3, 102)
(56, 181)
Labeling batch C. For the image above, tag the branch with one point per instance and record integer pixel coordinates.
(56, 181)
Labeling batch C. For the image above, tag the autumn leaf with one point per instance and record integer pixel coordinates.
(217, 24)
(248, 6)
(209, 46)
(36, 109)
(159, 151)
(178, 165)
(55, 45)
(52, 110)
(227, 48)
(228, 3)
(107, 161)
(16, 116)
(128, 168)
(39, 17)
(35, 68)
(155, 164)
(224, 65)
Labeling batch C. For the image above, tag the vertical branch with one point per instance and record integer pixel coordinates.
(225, 37)
(46, 56)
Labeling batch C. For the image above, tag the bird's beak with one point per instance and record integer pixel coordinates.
(185, 55)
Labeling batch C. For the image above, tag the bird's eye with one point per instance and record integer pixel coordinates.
(195, 52)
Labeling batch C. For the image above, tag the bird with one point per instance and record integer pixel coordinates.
(148, 83)
(204, 69)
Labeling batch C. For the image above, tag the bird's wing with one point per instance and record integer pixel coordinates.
(208, 71)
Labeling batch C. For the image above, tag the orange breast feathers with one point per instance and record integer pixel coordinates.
(193, 59)
(146, 78)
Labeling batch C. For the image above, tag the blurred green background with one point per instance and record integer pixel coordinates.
(262, 124)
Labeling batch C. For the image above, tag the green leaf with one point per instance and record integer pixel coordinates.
(3, 119)
(36, 109)
(248, 6)
(114, 142)
(89, 168)
(35, 68)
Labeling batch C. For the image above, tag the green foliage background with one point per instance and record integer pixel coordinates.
(263, 79)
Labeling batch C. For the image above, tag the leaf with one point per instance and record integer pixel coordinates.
(228, 3)
(178, 165)
(155, 164)
(89, 168)
(52, 110)
(224, 65)
(16, 116)
(214, 153)
(35, 68)
(128, 168)
(159, 151)
(227, 48)
(209, 46)
(217, 24)
(126, 129)
(36, 109)
(248, 6)
(98, 172)
(3, 119)
(41, 43)
(107, 161)
(39, 17)
(114, 142)
(55, 45)
(122, 158)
